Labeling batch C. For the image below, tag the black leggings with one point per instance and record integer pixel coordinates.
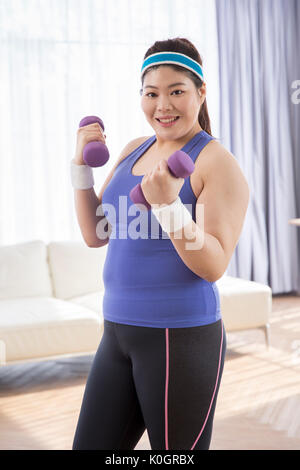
(165, 380)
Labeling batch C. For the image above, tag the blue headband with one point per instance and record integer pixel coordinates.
(172, 58)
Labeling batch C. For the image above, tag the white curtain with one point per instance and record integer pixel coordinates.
(259, 123)
(62, 60)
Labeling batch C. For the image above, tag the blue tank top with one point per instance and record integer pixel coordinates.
(146, 283)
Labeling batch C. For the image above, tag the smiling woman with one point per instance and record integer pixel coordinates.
(160, 360)
(191, 95)
(175, 106)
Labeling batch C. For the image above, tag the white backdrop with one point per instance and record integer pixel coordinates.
(62, 60)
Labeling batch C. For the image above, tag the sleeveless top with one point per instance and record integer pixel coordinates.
(146, 283)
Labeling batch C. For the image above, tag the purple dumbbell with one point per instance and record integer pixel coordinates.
(180, 165)
(94, 153)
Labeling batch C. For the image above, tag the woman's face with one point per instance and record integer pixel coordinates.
(160, 99)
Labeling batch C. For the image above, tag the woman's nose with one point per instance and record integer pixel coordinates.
(163, 103)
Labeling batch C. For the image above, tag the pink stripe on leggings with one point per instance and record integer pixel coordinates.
(212, 399)
(166, 388)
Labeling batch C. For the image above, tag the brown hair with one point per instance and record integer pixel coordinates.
(184, 46)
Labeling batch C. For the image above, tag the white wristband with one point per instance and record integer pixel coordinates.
(81, 176)
(172, 217)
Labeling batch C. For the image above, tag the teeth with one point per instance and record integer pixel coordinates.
(167, 120)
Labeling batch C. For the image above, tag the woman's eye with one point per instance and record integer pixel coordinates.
(172, 92)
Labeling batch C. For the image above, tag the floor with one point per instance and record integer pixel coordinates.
(258, 405)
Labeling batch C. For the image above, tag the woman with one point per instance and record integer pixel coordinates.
(160, 360)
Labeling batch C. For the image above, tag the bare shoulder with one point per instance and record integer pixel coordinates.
(217, 160)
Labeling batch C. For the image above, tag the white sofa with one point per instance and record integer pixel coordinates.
(51, 300)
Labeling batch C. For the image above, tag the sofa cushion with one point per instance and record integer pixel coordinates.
(40, 327)
(92, 301)
(76, 269)
(244, 304)
(24, 271)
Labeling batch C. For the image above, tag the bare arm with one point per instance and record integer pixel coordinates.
(207, 245)
(87, 202)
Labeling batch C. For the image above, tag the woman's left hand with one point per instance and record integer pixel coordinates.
(159, 186)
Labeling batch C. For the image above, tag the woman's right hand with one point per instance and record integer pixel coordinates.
(90, 133)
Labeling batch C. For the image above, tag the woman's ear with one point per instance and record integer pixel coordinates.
(202, 92)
